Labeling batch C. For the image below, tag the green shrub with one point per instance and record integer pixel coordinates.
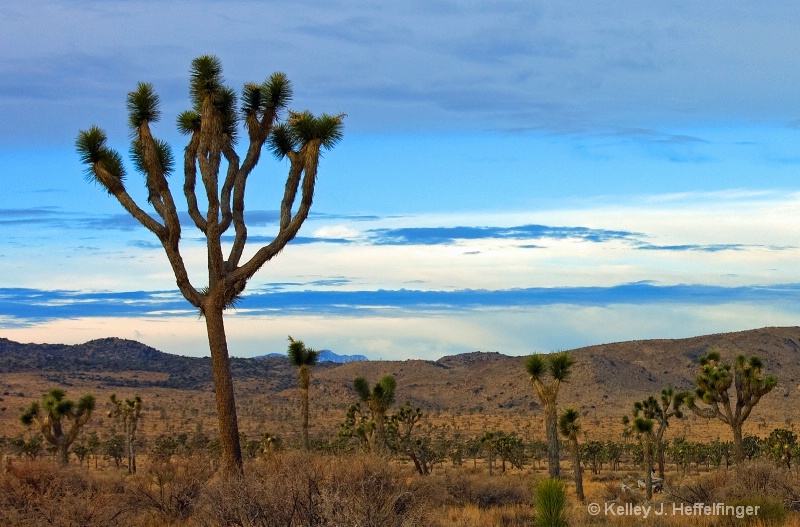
(770, 512)
(550, 504)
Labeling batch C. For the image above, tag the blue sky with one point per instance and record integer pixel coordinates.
(514, 176)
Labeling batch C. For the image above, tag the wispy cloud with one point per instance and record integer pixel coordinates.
(448, 235)
(31, 304)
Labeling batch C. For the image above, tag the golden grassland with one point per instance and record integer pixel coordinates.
(298, 489)
(173, 412)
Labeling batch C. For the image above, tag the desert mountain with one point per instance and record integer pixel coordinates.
(606, 380)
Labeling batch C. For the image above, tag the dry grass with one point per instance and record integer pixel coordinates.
(299, 489)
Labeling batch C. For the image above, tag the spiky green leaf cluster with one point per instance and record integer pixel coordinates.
(300, 355)
(188, 122)
(207, 85)
(31, 414)
(103, 164)
(568, 424)
(749, 369)
(303, 128)
(557, 365)
(381, 397)
(273, 95)
(56, 407)
(143, 106)
(205, 79)
(550, 503)
(642, 425)
(714, 378)
(164, 157)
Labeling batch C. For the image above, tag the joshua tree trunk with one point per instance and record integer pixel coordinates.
(648, 466)
(306, 444)
(132, 445)
(223, 387)
(380, 433)
(551, 426)
(63, 452)
(738, 450)
(576, 460)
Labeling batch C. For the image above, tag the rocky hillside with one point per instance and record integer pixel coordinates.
(606, 378)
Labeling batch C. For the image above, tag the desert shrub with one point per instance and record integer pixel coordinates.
(761, 478)
(746, 481)
(701, 489)
(758, 483)
(613, 491)
(169, 490)
(300, 489)
(38, 493)
(550, 503)
(465, 487)
(770, 512)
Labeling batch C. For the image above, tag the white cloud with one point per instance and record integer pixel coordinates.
(515, 331)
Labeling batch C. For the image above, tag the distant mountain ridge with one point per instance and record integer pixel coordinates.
(606, 378)
(324, 356)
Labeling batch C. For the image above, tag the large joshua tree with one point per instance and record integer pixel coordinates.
(547, 374)
(212, 127)
(303, 359)
(714, 381)
(570, 428)
(51, 415)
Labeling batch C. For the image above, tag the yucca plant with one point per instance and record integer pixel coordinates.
(51, 415)
(550, 504)
(213, 126)
(303, 359)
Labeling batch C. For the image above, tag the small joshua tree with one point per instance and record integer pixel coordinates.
(644, 431)
(129, 413)
(51, 414)
(403, 436)
(303, 359)
(371, 430)
(714, 381)
(569, 428)
(660, 412)
(547, 374)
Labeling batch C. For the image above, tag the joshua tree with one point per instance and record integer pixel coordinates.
(403, 436)
(644, 430)
(547, 373)
(50, 415)
(569, 428)
(714, 381)
(660, 413)
(781, 445)
(488, 441)
(378, 400)
(212, 127)
(129, 413)
(303, 359)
